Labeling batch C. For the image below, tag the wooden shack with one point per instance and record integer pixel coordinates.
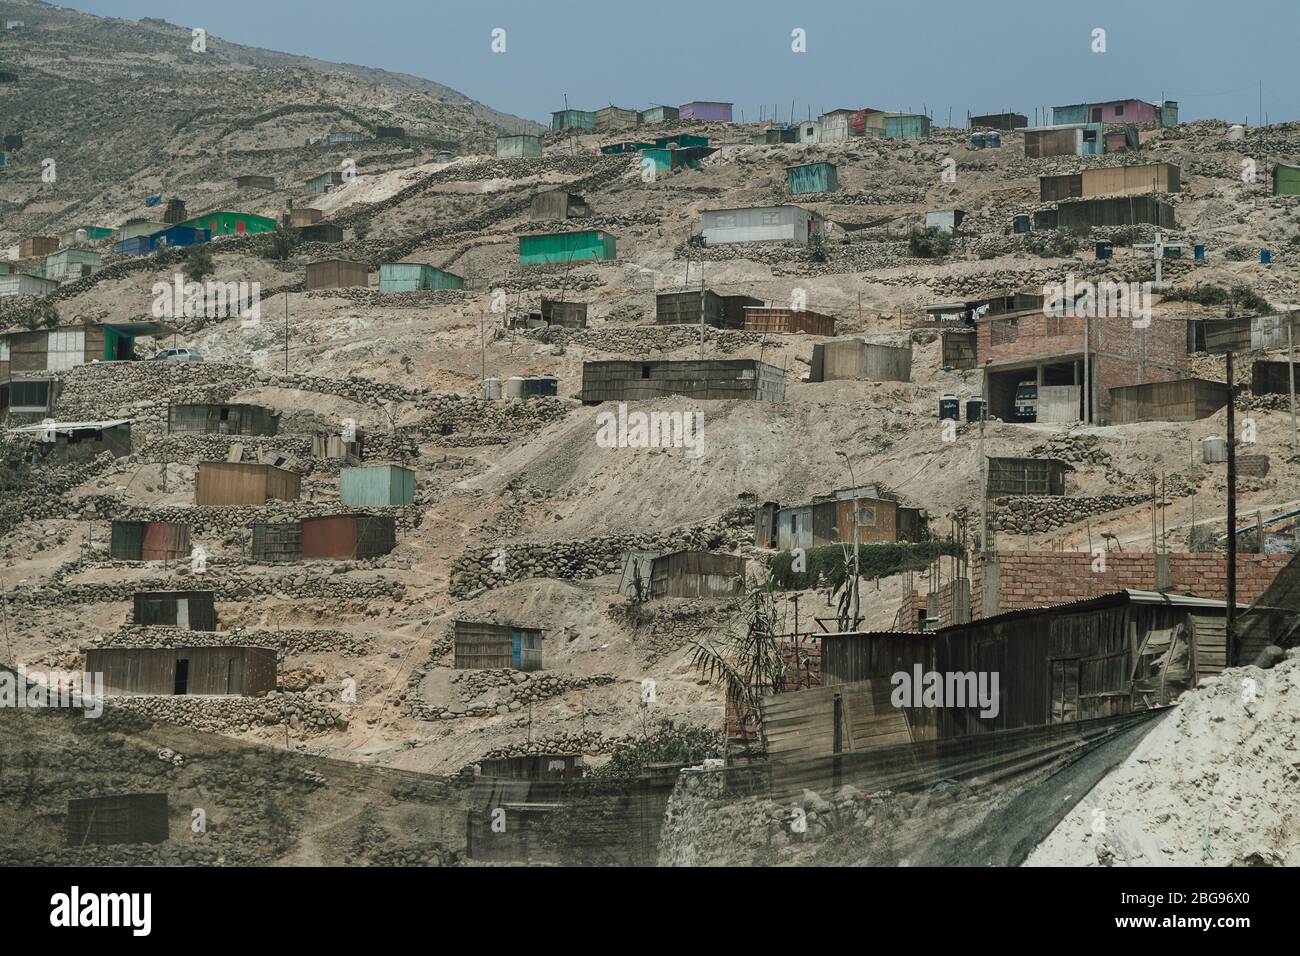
(718, 311)
(195, 610)
(1026, 476)
(214, 418)
(703, 379)
(959, 348)
(559, 204)
(569, 315)
(534, 767)
(1114, 654)
(276, 542)
(697, 574)
(226, 483)
(348, 537)
(254, 182)
(1271, 378)
(337, 274)
(483, 645)
(763, 318)
(1180, 400)
(117, 819)
(858, 359)
(67, 443)
(198, 671)
(149, 541)
(830, 521)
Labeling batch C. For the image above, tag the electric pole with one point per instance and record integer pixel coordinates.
(1231, 617)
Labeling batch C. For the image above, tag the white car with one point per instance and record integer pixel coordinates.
(177, 355)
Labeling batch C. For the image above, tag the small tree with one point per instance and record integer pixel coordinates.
(931, 243)
(280, 244)
(198, 263)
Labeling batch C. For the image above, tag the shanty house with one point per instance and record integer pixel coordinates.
(811, 178)
(1286, 180)
(221, 222)
(149, 541)
(831, 521)
(519, 147)
(34, 246)
(760, 224)
(620, 381)
(21, 283)
(717, 311)
(1117, 211)
(193, 610)
(376, 486)
(176, 237)
(1111, 181)
(337, 274)
(1177, 400)
(116, 820)
(218, 419)
(413, 276)
(499, 646)
(1163, 114)
(348, 537)
(665, 159)
(1002, 121)
(855, 358)
(197, 671)
(321, 232)
(765, 318)
(946, 221)
(615, 117)
(76, 442)
(569, 315)
(1026, 476)
(254, 182)
(1076, 139)
(225, 484)
(572, 119)
(68, 264)
(660, 114)
(906, 126)
(323, 183)
(547, 248)
(705, 110)
(697, 574)
(559, 204)
(304, 216)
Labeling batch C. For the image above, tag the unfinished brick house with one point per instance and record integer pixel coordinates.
(1049, 352)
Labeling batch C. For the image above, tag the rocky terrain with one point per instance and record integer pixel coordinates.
(519, 516)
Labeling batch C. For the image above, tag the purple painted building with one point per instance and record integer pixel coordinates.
(1164, 114)
(705, 110)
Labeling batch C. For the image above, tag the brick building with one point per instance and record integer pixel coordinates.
(1049, 350)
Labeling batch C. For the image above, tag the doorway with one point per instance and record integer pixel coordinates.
(182, 676)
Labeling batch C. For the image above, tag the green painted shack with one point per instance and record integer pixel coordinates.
(812, 178)
(907, 126)
(681, 141)
(565, 247)
(572, 119)
(377, 486)
(412, 276)
(225, 223)
(1286, 180)
(71, 264)
(629, 146)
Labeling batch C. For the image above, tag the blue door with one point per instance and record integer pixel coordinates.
(515, 639)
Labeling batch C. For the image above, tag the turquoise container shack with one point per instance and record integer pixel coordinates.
(565, 247)
(413, 276)
(812, 178)
(377, 486)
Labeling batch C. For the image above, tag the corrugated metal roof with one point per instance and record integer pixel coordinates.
(71, 426)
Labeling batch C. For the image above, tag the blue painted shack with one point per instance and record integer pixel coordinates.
(907, 126)
(412, 276)
(178, 236)
(376, 486)
(135, 246)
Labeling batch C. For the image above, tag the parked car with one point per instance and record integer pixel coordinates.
(177, 355)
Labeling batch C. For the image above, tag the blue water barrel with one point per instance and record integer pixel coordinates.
(993, 140)
(976, 140)
(949, 408)
(1105, 249)
(974, 409)
(1020, 224)
(1265, 257)
(1198, 252)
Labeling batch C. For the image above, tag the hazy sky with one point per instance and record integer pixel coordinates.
(943, 55)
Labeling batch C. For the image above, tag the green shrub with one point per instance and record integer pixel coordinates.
(929, 244)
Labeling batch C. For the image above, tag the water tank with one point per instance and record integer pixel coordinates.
(514, 387)
(1198, 252)
(949, 408)
(976, 140)
(492, 388)
(1105, 249)
(1265, 257)
(1020, 224)
(974, 409)
(1236, 133)
(992, 140)
(1214, 449)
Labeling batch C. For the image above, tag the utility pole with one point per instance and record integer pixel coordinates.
(984, 465)
(854, 483)
(1231, 618)
(286, 331)
(1290, 374)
